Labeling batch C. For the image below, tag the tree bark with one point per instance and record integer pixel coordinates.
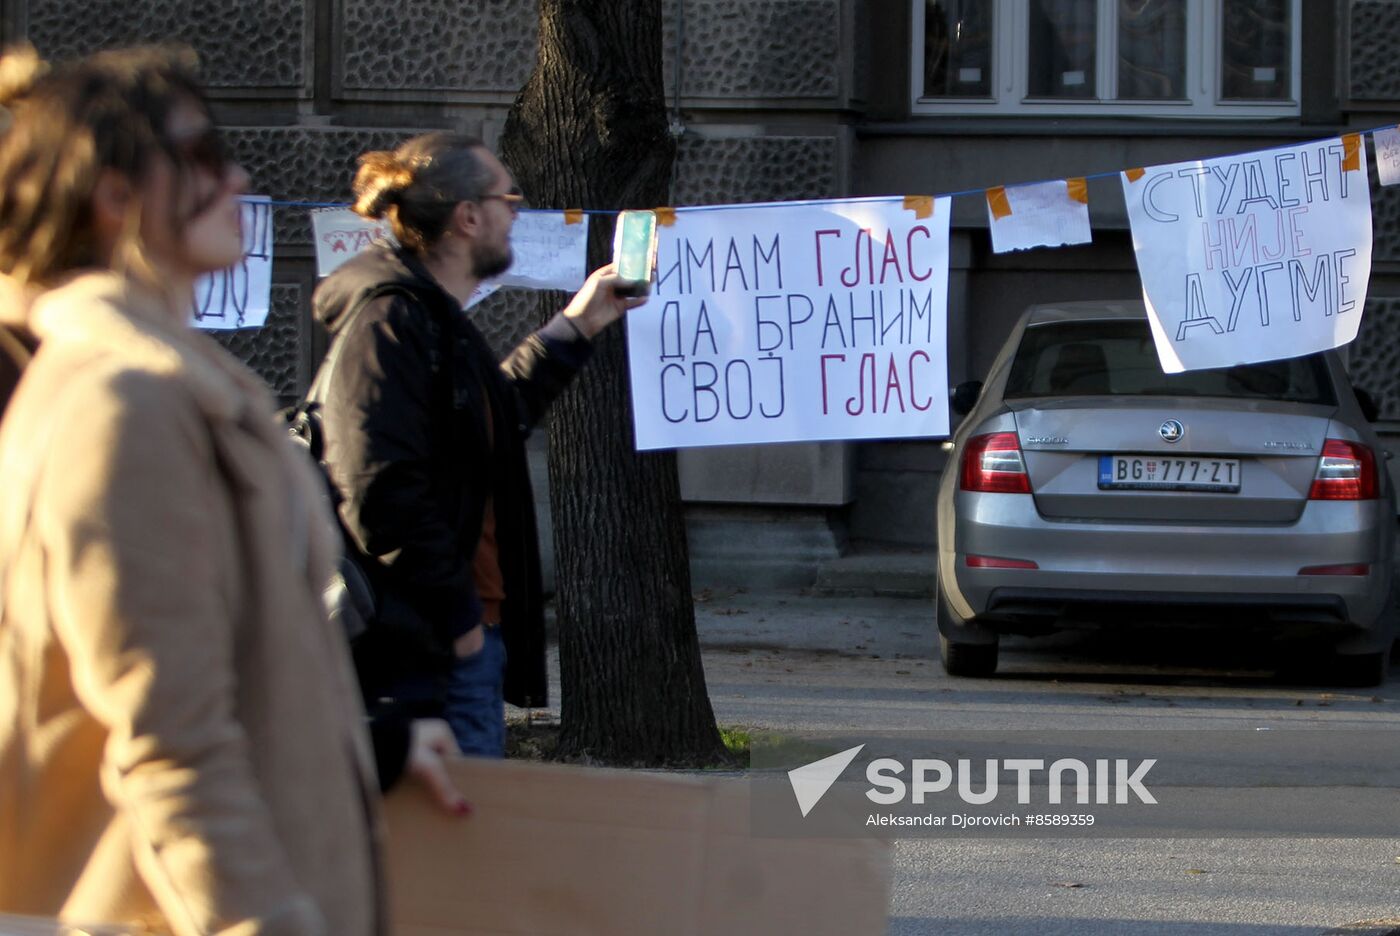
(589, 130)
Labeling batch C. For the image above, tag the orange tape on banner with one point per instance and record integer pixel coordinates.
(573, 216)
(921, 205)
(1351, 144)
(665, 217)
(1078, 190)
(1134, 174)
(998, 202)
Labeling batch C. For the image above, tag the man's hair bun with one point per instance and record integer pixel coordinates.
(379, 182)
(20, 69)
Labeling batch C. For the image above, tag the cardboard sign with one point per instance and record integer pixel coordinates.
(554, 849)
(1255, 257)
(241, 296)
(800, 321)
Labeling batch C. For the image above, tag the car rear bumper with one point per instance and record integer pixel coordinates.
(1119, 574)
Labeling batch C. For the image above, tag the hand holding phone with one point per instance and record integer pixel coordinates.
(634, 252)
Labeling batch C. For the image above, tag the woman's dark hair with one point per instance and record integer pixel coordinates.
(62, 127)
(417, 185)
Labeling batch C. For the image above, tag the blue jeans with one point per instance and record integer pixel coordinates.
(475, 702)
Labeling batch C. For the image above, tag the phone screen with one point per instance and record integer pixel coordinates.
(634, 251)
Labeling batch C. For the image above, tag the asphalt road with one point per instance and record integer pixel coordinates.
(803, 663)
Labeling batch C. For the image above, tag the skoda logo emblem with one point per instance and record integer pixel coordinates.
(1171, 431)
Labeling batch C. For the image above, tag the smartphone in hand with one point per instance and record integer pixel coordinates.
(634, 252)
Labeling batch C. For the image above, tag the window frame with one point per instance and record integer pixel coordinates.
(1010, 70)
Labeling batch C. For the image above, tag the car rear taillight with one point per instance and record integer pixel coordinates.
(992, 464)
(997, 562)
(1350, 568)
(1346, 471)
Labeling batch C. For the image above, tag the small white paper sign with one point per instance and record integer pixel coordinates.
(1255, 257)
(1040, 215)
(1387, 155)
(240, 296)
(550, 253)
(794, 322)
(341, 234)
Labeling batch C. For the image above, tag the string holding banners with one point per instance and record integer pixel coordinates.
(1045, 214)
(1254, 257)
(1387, 155)
(801, 321)
(241, 296)
(341, 234)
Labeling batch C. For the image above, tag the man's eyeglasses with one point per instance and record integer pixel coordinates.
(514, 199)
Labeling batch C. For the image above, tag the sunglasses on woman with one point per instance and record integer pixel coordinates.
(204, 150)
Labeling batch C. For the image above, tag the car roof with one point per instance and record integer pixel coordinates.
(1086, 309)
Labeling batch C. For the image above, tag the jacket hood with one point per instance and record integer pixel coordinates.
(377, 267)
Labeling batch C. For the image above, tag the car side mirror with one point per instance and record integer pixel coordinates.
(1369, 409)
(965, 396)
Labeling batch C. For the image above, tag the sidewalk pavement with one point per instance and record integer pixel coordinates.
(804, 620)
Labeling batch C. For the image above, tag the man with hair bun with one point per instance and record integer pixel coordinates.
(425, 436)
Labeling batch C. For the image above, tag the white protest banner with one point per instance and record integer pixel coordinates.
(340, 234)
(1254, 257)
(1046, 214)
(240, 296)
(1387, 155)
(795, 322)
(551, 251)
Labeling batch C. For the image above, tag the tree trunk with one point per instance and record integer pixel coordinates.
(589, 130)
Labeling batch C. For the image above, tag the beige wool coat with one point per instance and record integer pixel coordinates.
(181, 740)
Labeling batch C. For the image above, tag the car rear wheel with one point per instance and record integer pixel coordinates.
(1359, 669)
(966, 659)
(961, 658)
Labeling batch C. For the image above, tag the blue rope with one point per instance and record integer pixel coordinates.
(853, 201)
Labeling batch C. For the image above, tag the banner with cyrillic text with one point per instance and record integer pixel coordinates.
(241, 296)
(1255, 257)
(803, 321)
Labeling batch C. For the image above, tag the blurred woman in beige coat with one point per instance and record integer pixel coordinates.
(180, 737)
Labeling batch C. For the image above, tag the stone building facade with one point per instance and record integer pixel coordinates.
(777, 100)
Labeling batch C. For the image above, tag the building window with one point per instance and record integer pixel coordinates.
(1097, 57)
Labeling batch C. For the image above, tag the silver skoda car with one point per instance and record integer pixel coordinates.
(1086, 488)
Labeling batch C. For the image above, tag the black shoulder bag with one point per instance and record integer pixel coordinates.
(349, 597)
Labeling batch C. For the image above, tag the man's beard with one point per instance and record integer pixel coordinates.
(490, 262)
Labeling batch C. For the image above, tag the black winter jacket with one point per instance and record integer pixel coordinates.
(408, 449)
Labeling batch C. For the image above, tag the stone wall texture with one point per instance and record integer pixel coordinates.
(242, 44)
(1375, 355)
(756, 50)
(1385, 222)
(277, 350)
(719, 170)
(1374, 72)
(433, 46)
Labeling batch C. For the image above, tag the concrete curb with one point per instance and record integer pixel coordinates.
(1388, 927)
